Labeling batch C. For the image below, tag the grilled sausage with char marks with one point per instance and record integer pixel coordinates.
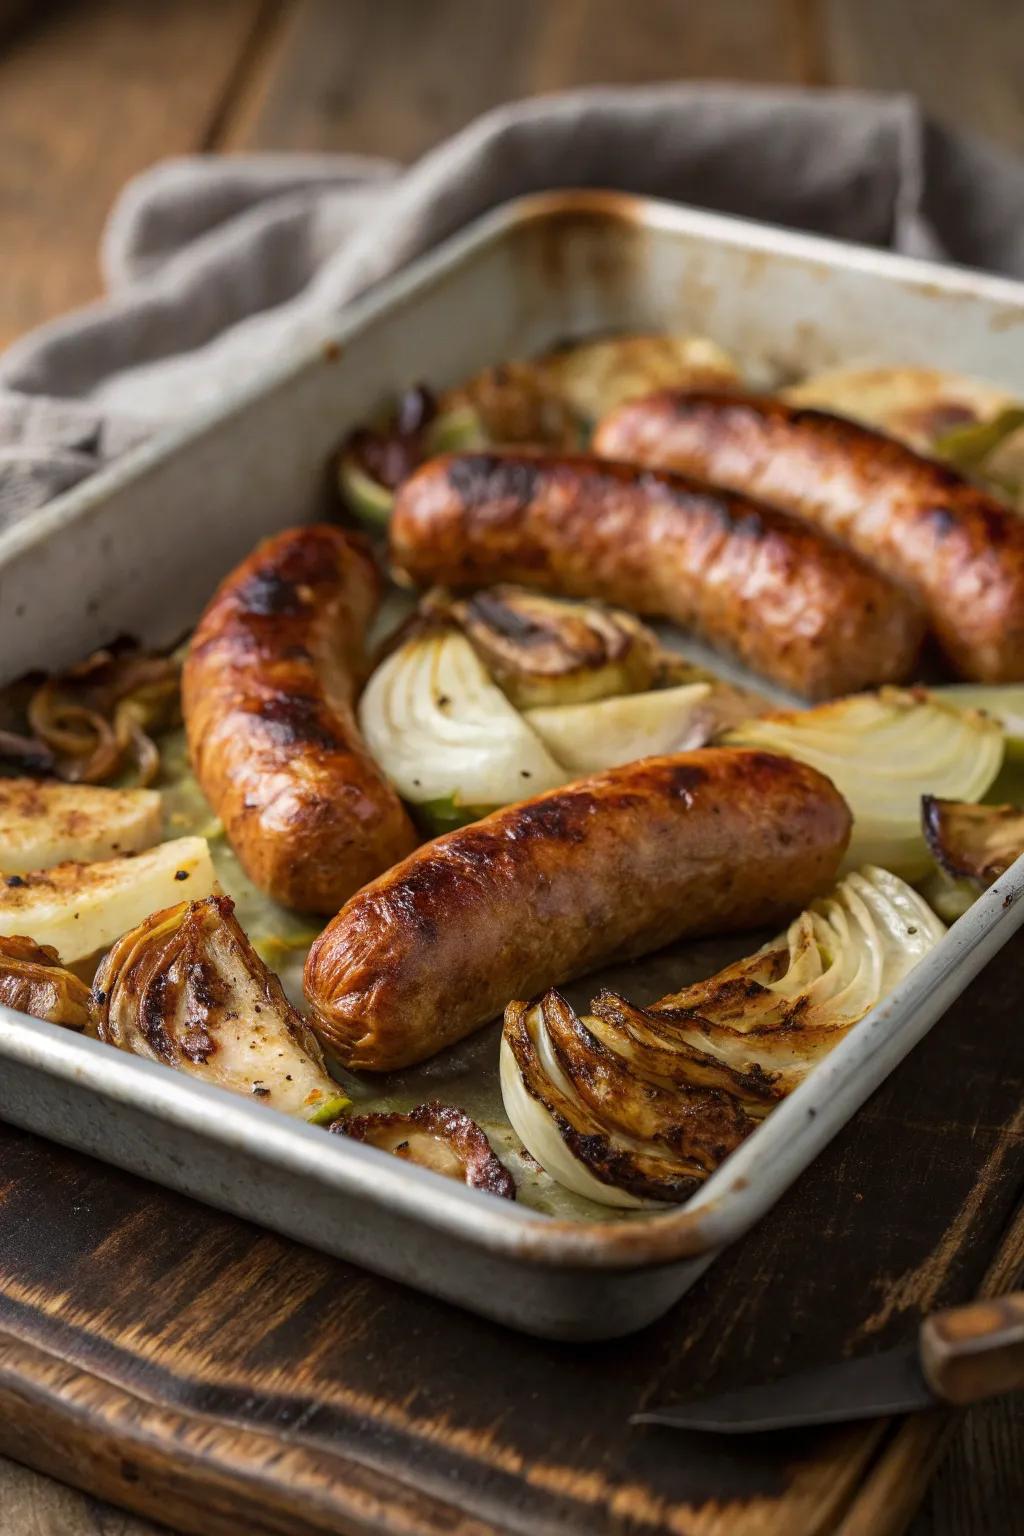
(954, 546)
(267, 691)
(788, 601)
(611, 867)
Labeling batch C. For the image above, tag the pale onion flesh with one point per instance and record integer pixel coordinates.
(186, 988)
(585, 738)
(33, 981)
(973, 842)
(883, 751)
(435, 1136)
(441, 729)
(629, 1106)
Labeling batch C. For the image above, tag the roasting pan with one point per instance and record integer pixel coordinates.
(138, 549)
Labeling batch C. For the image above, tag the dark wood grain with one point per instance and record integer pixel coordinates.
(90, 94)
(92, 91)
(187, 1365)
(394, 79)
(965, 63)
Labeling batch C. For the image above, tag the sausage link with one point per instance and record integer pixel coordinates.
(786, 600)
(606, 869)
(955, 547)
(267, 692)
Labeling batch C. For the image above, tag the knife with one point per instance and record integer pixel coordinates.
(960, 1356)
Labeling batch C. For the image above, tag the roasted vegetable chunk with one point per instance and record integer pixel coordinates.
(187, 988)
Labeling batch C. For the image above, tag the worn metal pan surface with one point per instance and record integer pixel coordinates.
(138, 549)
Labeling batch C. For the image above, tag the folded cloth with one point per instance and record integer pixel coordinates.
(215, 265)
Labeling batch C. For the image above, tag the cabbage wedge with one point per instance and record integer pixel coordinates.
(883, 751)
(442, 731)
(630, 1106)
(186, 988)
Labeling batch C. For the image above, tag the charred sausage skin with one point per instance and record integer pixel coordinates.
(788, 601)
(267, 692)
(955, 547)
(608, 868)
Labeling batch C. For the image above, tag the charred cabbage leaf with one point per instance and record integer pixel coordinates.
(973, 842)
(45, 822)
(186, 988)
(882, 751)
(436, 1136)
(32, 980)
(630, 1106)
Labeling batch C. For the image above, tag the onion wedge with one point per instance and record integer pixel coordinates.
(630, 1106)
(441, 730)
(882, 750)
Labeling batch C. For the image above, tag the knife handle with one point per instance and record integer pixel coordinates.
(977, 1351)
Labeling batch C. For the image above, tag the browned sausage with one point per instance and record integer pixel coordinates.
(786, 600)
(267, 692)
(611, 867)
(956, 548)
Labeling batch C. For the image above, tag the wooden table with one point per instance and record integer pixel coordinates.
(91, 93)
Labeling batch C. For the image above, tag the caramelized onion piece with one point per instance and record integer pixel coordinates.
(187, 988)
(542, 651)
(32, 980)
(974, 842)
(439, 1137)
(99, 716)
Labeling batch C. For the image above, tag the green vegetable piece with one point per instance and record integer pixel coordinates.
(970, 445)
(456, 431)
(369, 502)
(459, 430)
(435, 817)
(330, 1110)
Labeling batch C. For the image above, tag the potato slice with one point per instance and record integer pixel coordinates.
(82, 908)
(44, 822)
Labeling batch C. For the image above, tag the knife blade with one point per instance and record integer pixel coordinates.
(874, 1387)
(961, 1356)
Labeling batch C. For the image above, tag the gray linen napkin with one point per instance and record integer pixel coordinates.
(214, 265)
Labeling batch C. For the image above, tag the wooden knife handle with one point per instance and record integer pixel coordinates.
(975, 1351)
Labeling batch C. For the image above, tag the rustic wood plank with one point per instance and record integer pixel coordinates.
(34, 1505)
(965, 63)
(394, 79)
(90, 94)
(193, 1342)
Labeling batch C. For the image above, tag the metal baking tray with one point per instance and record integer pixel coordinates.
(138, 549)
